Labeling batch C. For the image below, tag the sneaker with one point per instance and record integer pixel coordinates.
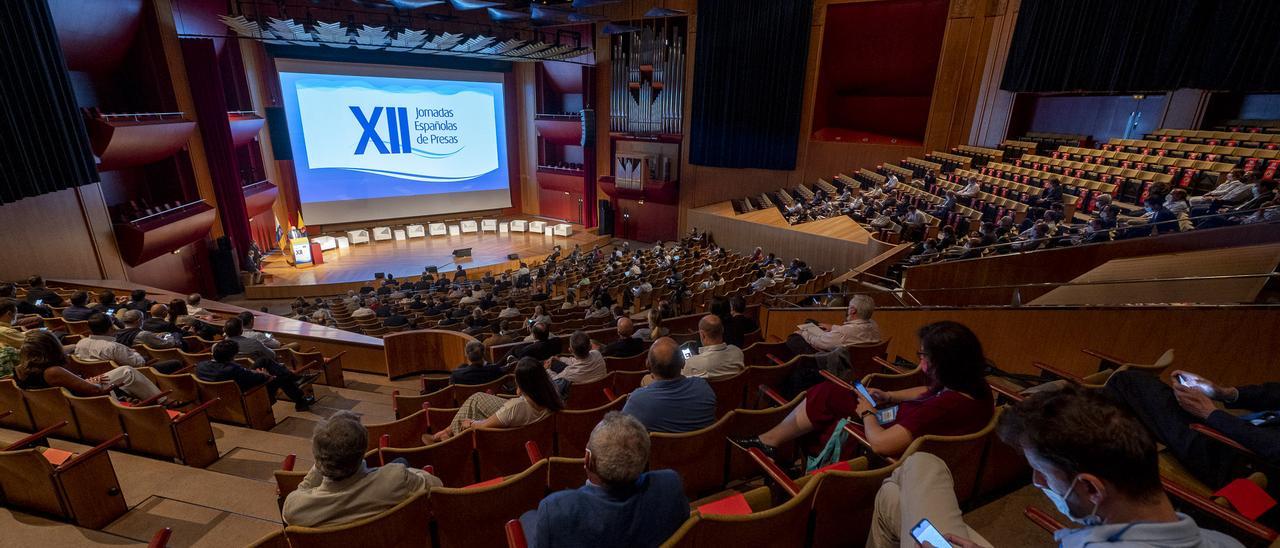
(748, 443)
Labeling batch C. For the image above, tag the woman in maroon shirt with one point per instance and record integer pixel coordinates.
(955, 401)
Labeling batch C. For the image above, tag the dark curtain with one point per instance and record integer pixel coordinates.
(43, 144)
(748, 82)
(1144, 45)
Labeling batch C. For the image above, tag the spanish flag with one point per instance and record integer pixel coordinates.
(302, 227)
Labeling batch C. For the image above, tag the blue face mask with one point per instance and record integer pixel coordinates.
(1060, 503)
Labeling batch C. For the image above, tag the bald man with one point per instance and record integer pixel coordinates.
(158, 321)
(715, 359)
(672, 402)
(626, 345)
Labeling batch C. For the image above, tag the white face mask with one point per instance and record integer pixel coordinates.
(1060, 502)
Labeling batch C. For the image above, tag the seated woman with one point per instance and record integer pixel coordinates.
(43, 365)
(655, 330)
(539, 316)
(535, 398)
(956, 400)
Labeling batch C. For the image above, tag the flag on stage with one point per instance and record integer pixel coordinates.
(302, 227)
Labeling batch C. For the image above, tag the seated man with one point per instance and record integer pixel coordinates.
(543, 346)
(102, 346)
(672, 402)
(233, 329)
(626, 345)
(475, 371)
(246, 325)
(738, 323)
(38, 292)
(340, 487)
(858, 328)
(79, 310)
(621, 504)
(1090, 457)
(1169, 412)
(133, 333)
(223, 367)
(715, 359)
(140, 302)
(586, 365)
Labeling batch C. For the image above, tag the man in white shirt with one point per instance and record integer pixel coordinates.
(340, 488)
(586, 365)
(246, 320)
(915, 221)
(858, 328)
(891, 182)
(971, 188)
(763, 282)
(193, 306)
(715, 359)
(102, 346)
(510, 311)
(1234, 184)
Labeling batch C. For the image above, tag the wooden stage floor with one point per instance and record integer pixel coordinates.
(350, 268)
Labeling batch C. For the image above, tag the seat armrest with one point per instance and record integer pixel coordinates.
(894, 369)
(153, 399)
(186, 415)
(773, 471)
(773, 395)
(1042, 518)
(100, 448)
(1056, 372)
(1222, 438)
(831, 377)
(1103, 356)
(35, 437)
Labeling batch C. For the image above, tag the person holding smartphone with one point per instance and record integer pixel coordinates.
(1168, 412)
(955, 400)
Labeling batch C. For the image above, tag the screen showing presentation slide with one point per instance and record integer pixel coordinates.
(374, 142)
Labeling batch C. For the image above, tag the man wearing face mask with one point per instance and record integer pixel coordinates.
(1098, 466)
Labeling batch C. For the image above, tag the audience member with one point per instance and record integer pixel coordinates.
(858, 328)
(1090, 458)
(133, 333)
(654, 330)
(621, 505)
(340, 487)
(715, 359)
(626, 345)
(586, 365)
(101, 345)
(222, 367)
(476, 370)
(739, 324)
(138, 301)
(955, 401)
(39, 295)
(536, 399)
(672, 402)
(542, 347)
(79, 310)
(44, 365)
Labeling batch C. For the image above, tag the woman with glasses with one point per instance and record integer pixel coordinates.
(954, 401)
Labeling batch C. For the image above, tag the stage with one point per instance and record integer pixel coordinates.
(838, 243)
(351, 268)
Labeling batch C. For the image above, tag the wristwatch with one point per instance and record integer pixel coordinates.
(864, 414)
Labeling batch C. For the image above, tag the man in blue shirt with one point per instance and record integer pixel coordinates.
(672, 402)
(277, 377)
(621, 505)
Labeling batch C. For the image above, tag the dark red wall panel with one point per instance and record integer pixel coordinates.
(96, 35)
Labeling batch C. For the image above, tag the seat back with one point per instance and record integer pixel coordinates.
(698, 456)
(11, 400)
(628, 363)
(729, 392)
(27, 483)
(845, 502)
(88, 368)
(744, 423)
(589, 395)
(771, 376)
(163, 353)
(862, 357)
(565, 473)
(406, 405)
(404, 525)
(251, 408)
(406, 432)
(762, 353)
(964, 455)
(573, 427)
(180, 387)
(890, 381)
(467, 518)
(452, 459)
(500, 451)
(48, 407)
(781, 526)
(463, 391)
(95, 417)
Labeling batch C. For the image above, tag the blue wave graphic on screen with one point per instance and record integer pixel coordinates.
(428, 153)
(417, 176)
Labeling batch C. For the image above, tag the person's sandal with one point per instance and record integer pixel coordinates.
(748, 443)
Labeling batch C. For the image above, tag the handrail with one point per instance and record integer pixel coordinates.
(139, 116)
(1268, 275)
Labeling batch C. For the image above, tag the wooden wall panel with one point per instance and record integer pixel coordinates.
(1061, 265)
(52, 235)
(1230, 344)
(424, 350)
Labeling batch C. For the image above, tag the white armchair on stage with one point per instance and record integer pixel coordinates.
(326, 242)
(562, 229)
(381, 233)
(454, 230)
(519, 226)
(360, 236)
(415, 231)
(469, 227)
(488, 225)
(400, 235)
(537, 226)
(437, 229)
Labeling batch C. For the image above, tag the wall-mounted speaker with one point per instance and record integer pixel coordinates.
(606, 218)
(278, 130)
(513, 257)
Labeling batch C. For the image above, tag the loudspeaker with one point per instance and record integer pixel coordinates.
(606, 218)
(464, 252)
(588, 127)
(278, 131)
(379, 275)
(433, 270)
(513, 257)
(225, 275)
